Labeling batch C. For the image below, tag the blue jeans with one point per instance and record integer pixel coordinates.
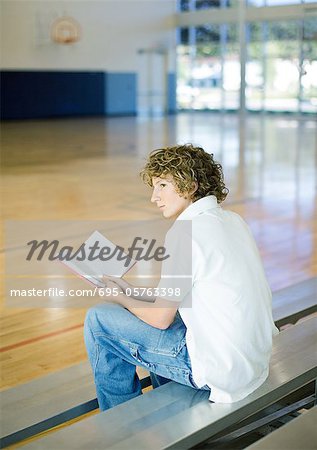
(117, 341)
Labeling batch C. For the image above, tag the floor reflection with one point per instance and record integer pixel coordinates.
(88, 169)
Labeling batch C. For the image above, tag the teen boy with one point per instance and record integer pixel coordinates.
(222, 342)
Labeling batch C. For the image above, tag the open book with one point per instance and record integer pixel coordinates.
(108, 259)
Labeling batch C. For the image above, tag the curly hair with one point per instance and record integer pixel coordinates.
(187, 164)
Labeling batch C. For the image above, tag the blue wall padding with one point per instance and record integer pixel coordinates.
(39, 94)
(121, 93)
(36, 94)
(171, 93)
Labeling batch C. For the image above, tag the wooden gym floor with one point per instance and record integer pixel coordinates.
(88, 168)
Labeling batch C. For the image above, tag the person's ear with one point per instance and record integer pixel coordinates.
(194, 188)
(192, 191)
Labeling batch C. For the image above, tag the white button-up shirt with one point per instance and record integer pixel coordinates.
(229, 321)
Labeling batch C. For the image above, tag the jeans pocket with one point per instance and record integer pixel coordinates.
(140, 360)
(152, 357)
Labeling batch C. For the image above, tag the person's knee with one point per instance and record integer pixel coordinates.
(101, 317)
(90, 319)
(94, 325)
(89, 326)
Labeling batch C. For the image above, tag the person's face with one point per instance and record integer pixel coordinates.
(167, 198)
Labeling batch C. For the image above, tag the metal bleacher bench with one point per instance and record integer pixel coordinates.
(300, 433)
(176, 416)
(59, 397)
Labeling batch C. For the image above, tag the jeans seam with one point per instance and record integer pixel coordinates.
(96, 358)
(129, 343)
(185, 371)
(138, 359)
(112, 338)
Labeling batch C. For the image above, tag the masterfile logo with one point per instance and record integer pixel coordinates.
(55, 256)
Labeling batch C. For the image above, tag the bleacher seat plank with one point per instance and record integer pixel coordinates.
(300, 433)
(58, 397)
(48, 401)
(34, 407)
(176, 416)
(294, 302)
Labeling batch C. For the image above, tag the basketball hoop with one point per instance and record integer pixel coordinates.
(65, 30)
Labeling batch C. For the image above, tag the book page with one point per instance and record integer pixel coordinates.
(110, 262)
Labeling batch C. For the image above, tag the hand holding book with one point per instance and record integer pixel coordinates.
(108, 262)
(135, 292)
(107, 273)
(120, 282)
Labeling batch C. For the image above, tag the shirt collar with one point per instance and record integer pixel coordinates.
(199, 207)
